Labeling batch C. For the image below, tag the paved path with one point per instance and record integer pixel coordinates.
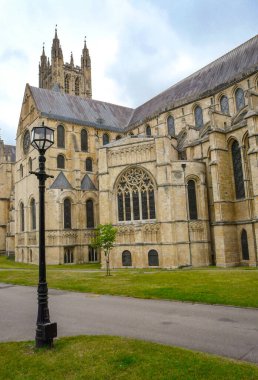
(226, 331)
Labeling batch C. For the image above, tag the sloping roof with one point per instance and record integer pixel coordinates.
(87, 183)
(231, 67)
(61, 182)
(10, 151)
(79, 110)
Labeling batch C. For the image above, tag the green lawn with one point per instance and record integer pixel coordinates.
(228, 287)
(104, 358)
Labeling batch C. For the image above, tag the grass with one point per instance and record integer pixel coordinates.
(226, 287)
(104, 358)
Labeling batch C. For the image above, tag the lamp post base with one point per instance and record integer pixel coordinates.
(45, 333)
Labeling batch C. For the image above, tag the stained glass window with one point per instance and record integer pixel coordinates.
(238, 171)
(105, 139)
(171, 126)
(240, 99)
(67, 213)
(84, 140)
(148, 131)
(60, 137)
(126, 259)
(224, 104)
(90, 213)
(244, 244)
(192, 200)
(33, 214)
(153, 258)
(60, 161)
(198, 117)
(135, 196)
(89, 164)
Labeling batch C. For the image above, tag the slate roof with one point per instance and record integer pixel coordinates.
(87, 183)
(226, 70)
(61, 182)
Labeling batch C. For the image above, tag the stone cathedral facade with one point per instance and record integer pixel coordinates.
(177, 176)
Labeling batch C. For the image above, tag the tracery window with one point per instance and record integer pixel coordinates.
(84, 140)
(224, 107)
(60, 161)
(171, 126)
(67, 84)
(67, 213)
(33, 214)
(22, 217)
(77, 86)
(126, 259)
(244, 245)
(153, 258)
(148, 131)
(105, 139)
(192, 204)
(89, 213)
(198, 117)
(238, 171)
(89, 164)
(240, 99)
(60, 137)
(135, 196)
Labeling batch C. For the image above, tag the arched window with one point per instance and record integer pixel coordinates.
(171, 126)
(93, 254)
(192, 204)
(118, 137)
(21, 171)
(244, 245)
(135, 196)
(67, 213)
(67, 84)
(77, 86)
(84, 140)
(126, 259)
(68, 256)
(60, 161)
(89, 213)
(238, 171)
(22, 217)
(224, 107)
(153, 258)
(105, 139)
(198, 117)
(89, 164)
(148, 131)
(33, 214)
(30, 164)
(240, 99)
(60, 137)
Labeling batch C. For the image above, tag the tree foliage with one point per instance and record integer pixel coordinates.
(105, 239)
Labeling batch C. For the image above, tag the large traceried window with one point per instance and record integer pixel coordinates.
(192, 200)
(238, 170)
(171, 126)
(84, 140)
(240, 99)
(89, 213)
(67, 213)
(224, 104)
(198, 117)
(60, 137)
(135, 196)
(33, 214)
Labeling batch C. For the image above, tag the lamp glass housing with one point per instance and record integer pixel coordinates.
(42, 137)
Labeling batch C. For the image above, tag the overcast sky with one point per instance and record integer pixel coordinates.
(138, 48)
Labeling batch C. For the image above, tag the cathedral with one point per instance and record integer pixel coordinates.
(177, 176)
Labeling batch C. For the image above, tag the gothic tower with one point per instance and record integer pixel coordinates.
(65, 77)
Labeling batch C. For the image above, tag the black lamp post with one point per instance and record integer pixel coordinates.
(41, 139)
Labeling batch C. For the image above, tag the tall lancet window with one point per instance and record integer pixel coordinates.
(67, 84)
(240, 99)
(224, 104)
(171, 126)
(135, 196)
(60, 137)
(198, 117)
(77, 86)
(67, 213)
(238, 170)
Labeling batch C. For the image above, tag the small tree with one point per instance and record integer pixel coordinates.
(105, 238)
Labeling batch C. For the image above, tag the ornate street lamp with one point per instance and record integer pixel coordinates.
(41, 139)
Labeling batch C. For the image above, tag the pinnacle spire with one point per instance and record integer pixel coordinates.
(56, 47)
(71, 60)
